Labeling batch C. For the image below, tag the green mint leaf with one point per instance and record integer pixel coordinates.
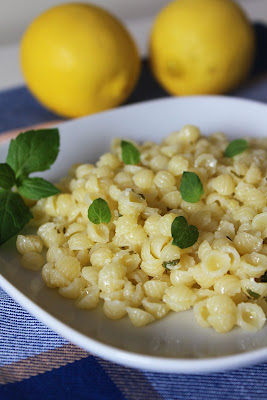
(33, 151)
(130, 154)
(171, 264)
(37, 188)
(184, 235)
(99, 212)
(14, 215)
(236, 147)
(7, 176)
(253, 294)
(191, 187)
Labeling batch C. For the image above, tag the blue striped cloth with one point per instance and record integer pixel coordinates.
(36, 363)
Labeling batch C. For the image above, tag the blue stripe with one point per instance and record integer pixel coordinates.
(84, 379)
(254, 91)
(19, 108)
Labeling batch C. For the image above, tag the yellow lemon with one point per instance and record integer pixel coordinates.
(201, 46)
(78, 59)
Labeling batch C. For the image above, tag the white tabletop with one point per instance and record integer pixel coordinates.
(137, 15)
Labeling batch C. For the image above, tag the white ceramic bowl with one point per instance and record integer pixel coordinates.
(176, 343)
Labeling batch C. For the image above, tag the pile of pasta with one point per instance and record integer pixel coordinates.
(130, 265)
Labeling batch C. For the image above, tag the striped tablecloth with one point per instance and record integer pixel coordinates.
(36, 363)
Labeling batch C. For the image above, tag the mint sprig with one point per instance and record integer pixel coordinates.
(184, 235)
(129, 153)
(29, 152)
(191, 188)
(236, 147)
(99, 212)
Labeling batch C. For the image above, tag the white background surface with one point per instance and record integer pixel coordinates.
(138, 15)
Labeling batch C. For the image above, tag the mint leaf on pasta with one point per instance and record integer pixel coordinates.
(99, 212)
(236, 147)
(129, 153)
(252, 294)
(184, 235)
(33, 151)
(37, 188)
(14, 214)
(171, 264)
(7, 176)
(191, 187)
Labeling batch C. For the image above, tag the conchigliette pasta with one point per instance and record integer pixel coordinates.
(130, 265)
